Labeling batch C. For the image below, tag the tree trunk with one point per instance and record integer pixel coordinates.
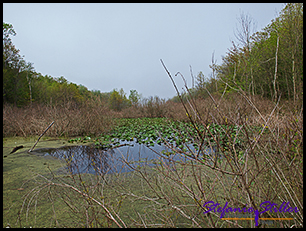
(288, 88)
(293, 79)
(15, 89)
(275, 73)
(29, 81)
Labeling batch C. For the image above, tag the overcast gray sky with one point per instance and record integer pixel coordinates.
(106, 46)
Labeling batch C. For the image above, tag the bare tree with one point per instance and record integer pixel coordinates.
(245, 30)
(243, 34)
(213, 66)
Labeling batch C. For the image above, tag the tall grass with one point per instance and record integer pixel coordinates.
(92, 117)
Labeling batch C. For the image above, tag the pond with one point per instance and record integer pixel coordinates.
(140, 142)
(129, 155)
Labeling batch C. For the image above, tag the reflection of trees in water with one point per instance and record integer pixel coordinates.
(84, 159)
(88, 159)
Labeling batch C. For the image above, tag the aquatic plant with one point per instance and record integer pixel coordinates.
(161, 131)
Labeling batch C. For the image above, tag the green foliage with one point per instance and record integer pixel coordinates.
(262, 66)
(57, 91)
(258, 67)
(14, 68)
(134, 97)
(118, 100)
(22, 85)
(151, 131)
(10, 53)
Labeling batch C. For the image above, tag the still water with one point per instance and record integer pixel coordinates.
(88, 159)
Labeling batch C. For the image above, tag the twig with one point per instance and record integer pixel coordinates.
(41, 136)
(14, 150)
(109, 215)
(144, 224)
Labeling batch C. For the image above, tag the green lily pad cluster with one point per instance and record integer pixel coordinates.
(140, 130)
(161, 131)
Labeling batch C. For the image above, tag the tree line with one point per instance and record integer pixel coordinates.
(268, 63)
(22, 85)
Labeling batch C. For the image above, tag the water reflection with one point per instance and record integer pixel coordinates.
(88, 159)
(82, 159)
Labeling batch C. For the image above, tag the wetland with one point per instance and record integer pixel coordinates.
(143, 168)
(143, 144)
